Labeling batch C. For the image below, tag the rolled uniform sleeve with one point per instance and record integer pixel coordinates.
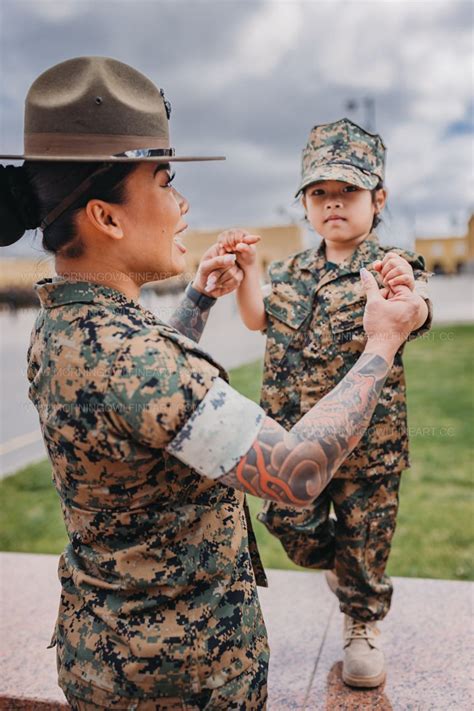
(266, 293)
(167, 398)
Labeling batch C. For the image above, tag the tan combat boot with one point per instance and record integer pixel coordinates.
(364, 662)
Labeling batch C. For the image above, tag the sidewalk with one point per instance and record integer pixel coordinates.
(427, 643)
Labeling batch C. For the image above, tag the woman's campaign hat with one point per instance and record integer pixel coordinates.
(97, 109)
(343, 151)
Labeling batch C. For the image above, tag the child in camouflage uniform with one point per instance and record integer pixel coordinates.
(313, 322)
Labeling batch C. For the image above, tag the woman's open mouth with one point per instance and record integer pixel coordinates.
(177, 239)
(179, 243)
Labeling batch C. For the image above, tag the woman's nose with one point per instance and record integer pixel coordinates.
(182, 202)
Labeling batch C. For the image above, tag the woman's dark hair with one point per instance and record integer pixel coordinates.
(28, 193)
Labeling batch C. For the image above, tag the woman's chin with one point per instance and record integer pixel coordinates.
(179, 264)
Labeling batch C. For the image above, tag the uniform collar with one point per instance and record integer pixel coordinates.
(366, 252)
(56, 291)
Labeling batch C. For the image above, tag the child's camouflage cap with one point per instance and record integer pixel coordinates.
(343, 151)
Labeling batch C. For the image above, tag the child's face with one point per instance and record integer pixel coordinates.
(341, 212)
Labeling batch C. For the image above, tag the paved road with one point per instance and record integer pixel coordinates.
(225, 338)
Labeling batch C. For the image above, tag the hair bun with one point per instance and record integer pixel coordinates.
(18, 206)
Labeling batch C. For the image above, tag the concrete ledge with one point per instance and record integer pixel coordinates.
(427, 643)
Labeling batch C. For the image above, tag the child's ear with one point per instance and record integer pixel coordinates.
(303, 202)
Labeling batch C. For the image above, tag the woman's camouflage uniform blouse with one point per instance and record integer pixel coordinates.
(158, 584)
(315, 336)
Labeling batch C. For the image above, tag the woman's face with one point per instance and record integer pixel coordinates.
(151, 218)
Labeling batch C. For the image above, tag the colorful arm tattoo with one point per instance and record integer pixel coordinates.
(294, 467)
(189, 319)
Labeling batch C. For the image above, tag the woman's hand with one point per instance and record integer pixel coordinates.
(395, 271)
(389, 319)
(217, 274)
(225, 277)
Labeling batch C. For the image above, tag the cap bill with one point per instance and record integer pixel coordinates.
(339, 171)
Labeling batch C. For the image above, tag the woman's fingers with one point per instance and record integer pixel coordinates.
(226, 282)
(231, 276)
(220, 262)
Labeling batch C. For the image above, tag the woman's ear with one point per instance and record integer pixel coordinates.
(104, 217)
(380, 198)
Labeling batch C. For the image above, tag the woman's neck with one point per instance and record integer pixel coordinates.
(99, 273)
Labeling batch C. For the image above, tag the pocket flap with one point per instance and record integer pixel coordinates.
(348, 317)
(288, 306)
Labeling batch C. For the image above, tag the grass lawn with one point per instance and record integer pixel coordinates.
(435, 525)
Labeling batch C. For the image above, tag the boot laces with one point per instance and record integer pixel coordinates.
(359, 630)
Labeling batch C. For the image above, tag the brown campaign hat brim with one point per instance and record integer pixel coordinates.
(110, 159)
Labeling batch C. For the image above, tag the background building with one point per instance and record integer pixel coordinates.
(448, 255)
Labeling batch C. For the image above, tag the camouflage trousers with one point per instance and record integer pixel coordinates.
(355, 544)
(246, 692)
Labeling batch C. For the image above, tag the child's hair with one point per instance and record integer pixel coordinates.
(29, 192)
(377, 219)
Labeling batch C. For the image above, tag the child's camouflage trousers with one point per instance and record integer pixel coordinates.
(356, 543)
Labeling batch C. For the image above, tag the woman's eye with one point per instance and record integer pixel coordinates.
(170, 180)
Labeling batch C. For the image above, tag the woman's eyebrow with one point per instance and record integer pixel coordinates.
(161, 166)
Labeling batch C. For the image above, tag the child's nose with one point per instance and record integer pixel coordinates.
(333, 201)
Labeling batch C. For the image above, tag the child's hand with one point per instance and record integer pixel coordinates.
(395, 271)
(240, 243)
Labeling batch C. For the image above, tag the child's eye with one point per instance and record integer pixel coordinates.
(317, 191)
(351, 189)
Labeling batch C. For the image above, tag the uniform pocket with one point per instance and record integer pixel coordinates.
(347, 323)
(348, 317)
(287, 311)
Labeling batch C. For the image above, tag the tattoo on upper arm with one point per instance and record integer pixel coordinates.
(294, 467)
(189, 320)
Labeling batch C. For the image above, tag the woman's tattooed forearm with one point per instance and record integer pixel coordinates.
(294, 467)
(189, 320)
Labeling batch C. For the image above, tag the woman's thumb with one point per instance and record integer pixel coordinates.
(370, 285)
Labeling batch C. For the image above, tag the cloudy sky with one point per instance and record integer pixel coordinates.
(249, 78)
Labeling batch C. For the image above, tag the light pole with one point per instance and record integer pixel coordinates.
(368, 103)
